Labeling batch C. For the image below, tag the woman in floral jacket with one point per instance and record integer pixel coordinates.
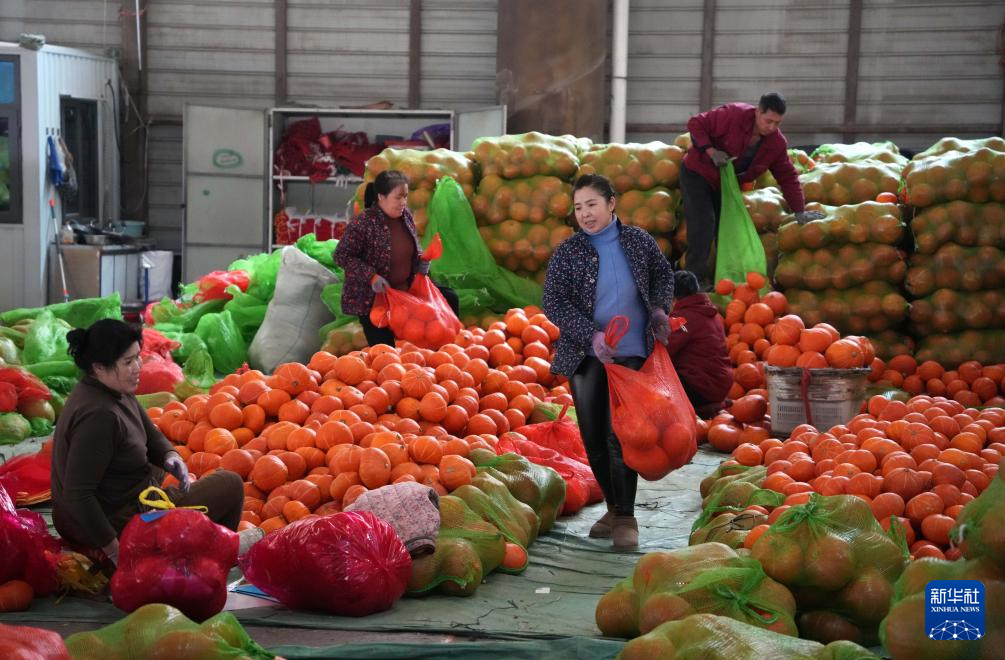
(606, 270)
(380, 249)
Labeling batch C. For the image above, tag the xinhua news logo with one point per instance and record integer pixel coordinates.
(954, 609)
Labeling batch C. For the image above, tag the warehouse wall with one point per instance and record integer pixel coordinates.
(928, 65)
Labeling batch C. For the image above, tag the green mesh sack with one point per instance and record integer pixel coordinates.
(247, 311)
(957, 268)
(799, 159)
(840, 267)
(633, 166)
(321, 251)
(46, 340)
(952, 350)
(264, 270)
(161, 631)
(186, 319)
(467, 549)
(78, 313)
(947, 310)
(524, 247)
(886, 152)
(960, 223)
(973, 176)
(947, 144)
(198, 374)
(344, 339)
(539, 487)
(980, 527)
(904, 633)
(491, 500)
(867, 222)
(708, 578)
(835, 550)
(728, 528)
(863, 310)
(731, 489)
(841, 184)
(526, 155)
(224, 341)
(711, 637)
(467, 263)
(728, 472)
(768, 209)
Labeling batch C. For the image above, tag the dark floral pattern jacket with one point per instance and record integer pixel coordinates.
(365, 250)
(570, 290)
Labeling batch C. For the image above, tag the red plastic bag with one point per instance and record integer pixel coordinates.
(581, 487)
(155, 342)
(8, 398)
(213, 286)
(27, 385)
(27, 550)
(26, 643)
(176, 556)
(562, 435)
(158, 374)
(650, 412)
(28, 479)
(350, 563)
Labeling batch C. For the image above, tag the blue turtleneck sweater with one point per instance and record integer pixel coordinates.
(617, 293)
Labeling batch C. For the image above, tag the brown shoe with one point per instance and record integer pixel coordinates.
(602, 528)
(625, 532)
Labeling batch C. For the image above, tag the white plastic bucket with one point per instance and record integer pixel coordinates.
(827, 398)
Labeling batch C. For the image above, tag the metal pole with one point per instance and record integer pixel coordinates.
(139, 51)
(619, 73)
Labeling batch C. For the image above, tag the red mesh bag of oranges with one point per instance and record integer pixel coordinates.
(650, 412)
(420, 315)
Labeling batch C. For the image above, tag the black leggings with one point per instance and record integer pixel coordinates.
(375, 335)
(603, 449)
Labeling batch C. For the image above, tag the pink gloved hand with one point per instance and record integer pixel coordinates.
(601, 350)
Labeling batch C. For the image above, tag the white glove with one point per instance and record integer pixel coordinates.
(601, 350)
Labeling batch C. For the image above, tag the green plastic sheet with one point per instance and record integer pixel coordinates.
(78, 313)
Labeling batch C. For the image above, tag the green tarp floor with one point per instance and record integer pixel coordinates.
(555, 597)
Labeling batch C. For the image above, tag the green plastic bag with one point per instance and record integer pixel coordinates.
(321, 251)
(331, 296)
(248, 311)
(224, 340)
(466, 262)
(263, 269)
(46, 340)
(161, 631)
(78, 313)
(738, 249)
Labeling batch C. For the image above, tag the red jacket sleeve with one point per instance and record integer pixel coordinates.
(706, 126)
(788, 180)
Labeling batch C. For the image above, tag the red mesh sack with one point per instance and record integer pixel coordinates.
(176, 556)
(581, 487)
(27, 386)
(349, 563)
(28, 479)
(27, 551)
(155, 342)
(650, 412)
(562, 435)
(213, 286)
(158, 374)
(420, 315)
(26, 643)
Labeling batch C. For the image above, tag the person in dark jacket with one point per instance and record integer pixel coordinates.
(380, 249)
(750, 135)
(699, 353)
(605, 270)
(106, 451)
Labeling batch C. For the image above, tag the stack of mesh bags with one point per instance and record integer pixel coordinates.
(957, 273)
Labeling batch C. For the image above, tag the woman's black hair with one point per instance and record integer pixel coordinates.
(599, 183)
(385, 182)
(104, 342)
(685, 283)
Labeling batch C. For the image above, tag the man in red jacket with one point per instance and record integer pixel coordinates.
(749, 135)
(699, 354)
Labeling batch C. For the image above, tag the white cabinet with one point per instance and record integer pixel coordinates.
(233, 188)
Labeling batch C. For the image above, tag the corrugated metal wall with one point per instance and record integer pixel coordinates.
(931, 62)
